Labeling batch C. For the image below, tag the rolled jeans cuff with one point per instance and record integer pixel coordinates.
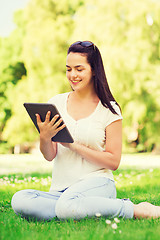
(129, 208)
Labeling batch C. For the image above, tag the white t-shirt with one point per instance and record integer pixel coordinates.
(68, 166)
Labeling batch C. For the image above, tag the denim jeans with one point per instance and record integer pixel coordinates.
(85, 198)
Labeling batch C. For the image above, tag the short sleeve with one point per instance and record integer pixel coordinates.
(59, 101)
(113, 117)
(53, 100)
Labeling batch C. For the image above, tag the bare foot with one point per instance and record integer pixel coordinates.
(146, 210)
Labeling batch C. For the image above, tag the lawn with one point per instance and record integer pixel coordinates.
(136, 184)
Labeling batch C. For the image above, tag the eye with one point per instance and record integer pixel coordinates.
(79, 70)
(68, 69)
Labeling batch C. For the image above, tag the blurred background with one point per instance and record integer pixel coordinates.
(33, 55)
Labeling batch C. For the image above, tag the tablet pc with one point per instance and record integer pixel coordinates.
(42, 109)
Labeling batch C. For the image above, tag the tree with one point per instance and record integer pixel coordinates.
(48, 27)
(127, 33)
(12, 69)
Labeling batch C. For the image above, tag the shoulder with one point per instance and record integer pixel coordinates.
(106, 110)
(59, 98)
(110, 117)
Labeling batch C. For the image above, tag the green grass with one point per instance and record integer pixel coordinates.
(138, 185)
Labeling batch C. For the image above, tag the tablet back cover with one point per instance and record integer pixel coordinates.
(42, 109)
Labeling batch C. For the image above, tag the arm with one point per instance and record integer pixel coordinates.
(48, 149)
(111, 157)
(48, 129)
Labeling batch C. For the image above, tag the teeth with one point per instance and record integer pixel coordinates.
(75, 81)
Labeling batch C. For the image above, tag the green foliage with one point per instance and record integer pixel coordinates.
(127, 33)
(48, 27)
(12, 70)
(14, 73)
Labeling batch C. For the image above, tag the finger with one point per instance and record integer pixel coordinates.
(38, 118)
(54, 119)
(56, 124)
(60, 128)
(47, 118)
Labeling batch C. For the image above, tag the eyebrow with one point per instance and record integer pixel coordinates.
(75, 66)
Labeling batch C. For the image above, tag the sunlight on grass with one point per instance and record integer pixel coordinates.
(136, 184)
(25, 163)
(16, 181)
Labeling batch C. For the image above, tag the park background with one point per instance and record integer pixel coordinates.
(33, 55)
(32, 69)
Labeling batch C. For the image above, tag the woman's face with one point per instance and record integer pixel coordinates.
(79, 72)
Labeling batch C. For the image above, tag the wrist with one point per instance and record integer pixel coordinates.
(44, 139)
(74, 146)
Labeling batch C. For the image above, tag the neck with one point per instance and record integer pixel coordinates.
(85, 95)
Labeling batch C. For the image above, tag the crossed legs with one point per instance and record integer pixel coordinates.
(85, 198)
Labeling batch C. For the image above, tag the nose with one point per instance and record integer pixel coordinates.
(73, 74)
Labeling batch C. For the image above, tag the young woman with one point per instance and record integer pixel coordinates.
(82, 179)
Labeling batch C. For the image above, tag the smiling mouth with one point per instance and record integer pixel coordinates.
(75, 81)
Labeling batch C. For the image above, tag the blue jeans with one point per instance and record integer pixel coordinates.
(85, 198)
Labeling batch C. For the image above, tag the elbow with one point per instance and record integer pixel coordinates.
(49, 158)
(112, 160)
(116, 164)
(115, 167)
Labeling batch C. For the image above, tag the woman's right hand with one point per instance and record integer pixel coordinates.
(49, 128)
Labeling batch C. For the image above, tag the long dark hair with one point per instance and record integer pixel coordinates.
(100, 80)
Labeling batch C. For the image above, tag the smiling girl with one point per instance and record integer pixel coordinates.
(82, 179)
